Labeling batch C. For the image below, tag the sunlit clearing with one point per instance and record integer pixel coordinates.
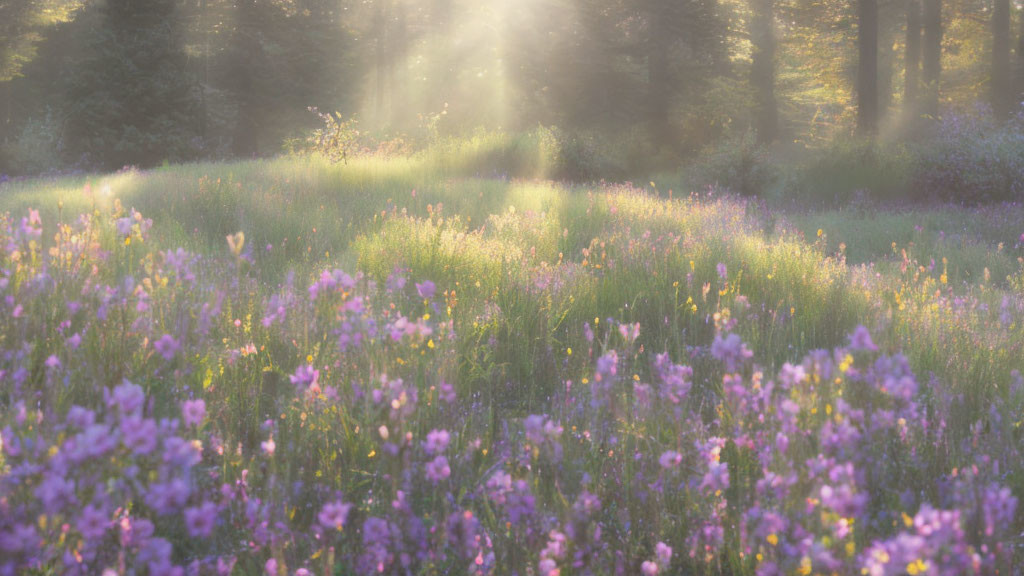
(453, 73)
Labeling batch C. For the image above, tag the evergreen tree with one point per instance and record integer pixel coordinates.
(131, 101)
(22, 23)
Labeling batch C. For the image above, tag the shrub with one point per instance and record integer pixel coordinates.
(578, 159)
(631, 154)
(36, 148)
(851, 169)
(971, 160)
(337, 140)
(567, 155)
(741, 165)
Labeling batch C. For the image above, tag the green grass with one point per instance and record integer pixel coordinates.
(549, 256)
(522, 265)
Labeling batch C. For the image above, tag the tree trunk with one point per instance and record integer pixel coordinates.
(248, 51)
(6, 104)
(912, 59)
(1002, 73)
(380, 24)
(658, 84)
(1020, 66)
(886, 63)
(204, 108)
(932, 54)
(867, 66)
(762, 69)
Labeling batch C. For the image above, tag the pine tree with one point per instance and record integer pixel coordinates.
(21, 25)
(131, 99)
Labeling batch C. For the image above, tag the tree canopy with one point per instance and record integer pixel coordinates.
(104, 83)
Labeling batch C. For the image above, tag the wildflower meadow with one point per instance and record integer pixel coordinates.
(290, 367)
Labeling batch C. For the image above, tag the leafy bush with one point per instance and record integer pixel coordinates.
(35, 149)
(337, 140)
(573, 157)
(742, 165)
(852, 169)
(971, 160)
(631, 154)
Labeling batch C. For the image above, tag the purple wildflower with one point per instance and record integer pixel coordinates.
(731, 351)
(93, 523)
(54, 493)
(396, 280)
(438, 469)
(437, 442)
(128, 398)
(663, 553)
(586, 505)
(138, 434)
(168, 497)
(861, 340)
(193, 412)
(670, 459)
(81, 418)
(200, 520)
(334, 515)
(305, 377)
(181, 452)
(268, 446)
(717, 477)
(167, 347)
(676, 379)
(426, 289)
(446, 392)
(124, 226)
(607, 365)
(629, 332)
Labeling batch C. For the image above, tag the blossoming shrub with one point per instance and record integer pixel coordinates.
(972, 160)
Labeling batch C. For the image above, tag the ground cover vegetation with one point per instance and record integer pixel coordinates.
(532, 287)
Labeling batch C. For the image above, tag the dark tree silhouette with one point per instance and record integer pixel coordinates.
(932, 65)
(762, 68)
(912, 59)
(867, 66)
(1002, 72)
